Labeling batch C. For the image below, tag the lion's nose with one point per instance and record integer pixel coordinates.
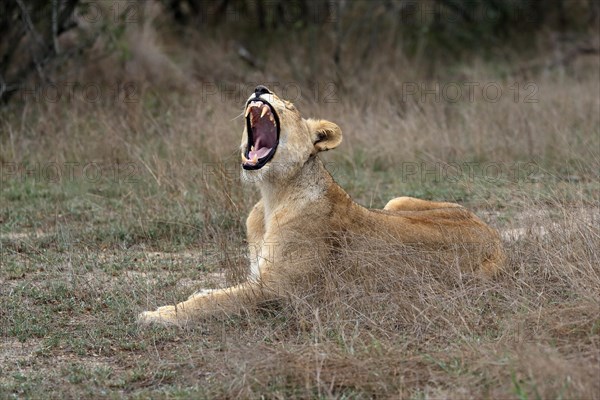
(260, 89)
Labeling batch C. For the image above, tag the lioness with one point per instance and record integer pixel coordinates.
(304, 216)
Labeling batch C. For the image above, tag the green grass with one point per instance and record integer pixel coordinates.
(81, 257)
(86, 264)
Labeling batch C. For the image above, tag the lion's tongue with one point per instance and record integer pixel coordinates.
(260, 152)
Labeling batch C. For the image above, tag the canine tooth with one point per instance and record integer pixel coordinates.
(264, 111)
(251, 148)
(247, 111)
(244, 159)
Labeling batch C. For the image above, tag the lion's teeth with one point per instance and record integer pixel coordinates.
(264, 111)
(252, 161)
(247, 111)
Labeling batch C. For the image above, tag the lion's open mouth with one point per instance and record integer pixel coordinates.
(262, 125)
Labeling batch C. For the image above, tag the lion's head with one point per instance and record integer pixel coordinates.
(276, 140)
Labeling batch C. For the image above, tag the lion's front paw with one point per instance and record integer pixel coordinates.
(167, 315)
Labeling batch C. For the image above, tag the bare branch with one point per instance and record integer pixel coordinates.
(36, 37)
(55, 26)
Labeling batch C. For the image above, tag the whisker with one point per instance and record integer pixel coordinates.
(237, 116)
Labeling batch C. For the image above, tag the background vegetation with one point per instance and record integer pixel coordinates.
(120, 192)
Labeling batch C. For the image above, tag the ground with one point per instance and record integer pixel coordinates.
(111, 208)
(77, 267)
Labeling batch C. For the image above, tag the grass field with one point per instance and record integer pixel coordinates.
(112, 208)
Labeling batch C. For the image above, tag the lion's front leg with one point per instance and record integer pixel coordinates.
(255, 233)
(229, 300)
(226, 301)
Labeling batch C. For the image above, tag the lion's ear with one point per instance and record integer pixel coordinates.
(325, 135)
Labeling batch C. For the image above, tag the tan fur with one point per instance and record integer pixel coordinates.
(304, 215)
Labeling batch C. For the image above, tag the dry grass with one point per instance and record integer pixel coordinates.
(81, 256)
(395, 322)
